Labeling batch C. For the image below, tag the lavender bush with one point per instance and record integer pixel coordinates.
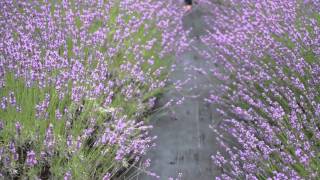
(270, 57)
(77, 79)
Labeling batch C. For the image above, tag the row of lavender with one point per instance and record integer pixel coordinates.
(77, 79)
(270, 51)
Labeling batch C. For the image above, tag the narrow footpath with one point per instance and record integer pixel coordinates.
(185, 142)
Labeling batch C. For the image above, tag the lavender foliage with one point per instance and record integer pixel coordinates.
(77, 79)
(269, 52)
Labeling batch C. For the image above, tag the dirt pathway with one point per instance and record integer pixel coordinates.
(185, 142)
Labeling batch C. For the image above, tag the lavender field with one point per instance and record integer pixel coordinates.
(80, 81)
(270, 51)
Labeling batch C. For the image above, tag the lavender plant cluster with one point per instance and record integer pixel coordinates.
(77, 79)
(269, 52)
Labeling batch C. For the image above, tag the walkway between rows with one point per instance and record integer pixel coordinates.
(185, 142)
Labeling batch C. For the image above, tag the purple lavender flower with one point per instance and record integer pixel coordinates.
(18, 109)
(12, 99)
(4, 103)
(79, 142)
(18, 128)
(107, 176)
(1, 153)
(12, 149)
(67, 176)
(42, 107)
(147, 163)
(1, 125)
(58, 114)
(69, 141)
(49, 140)
(31, 158)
